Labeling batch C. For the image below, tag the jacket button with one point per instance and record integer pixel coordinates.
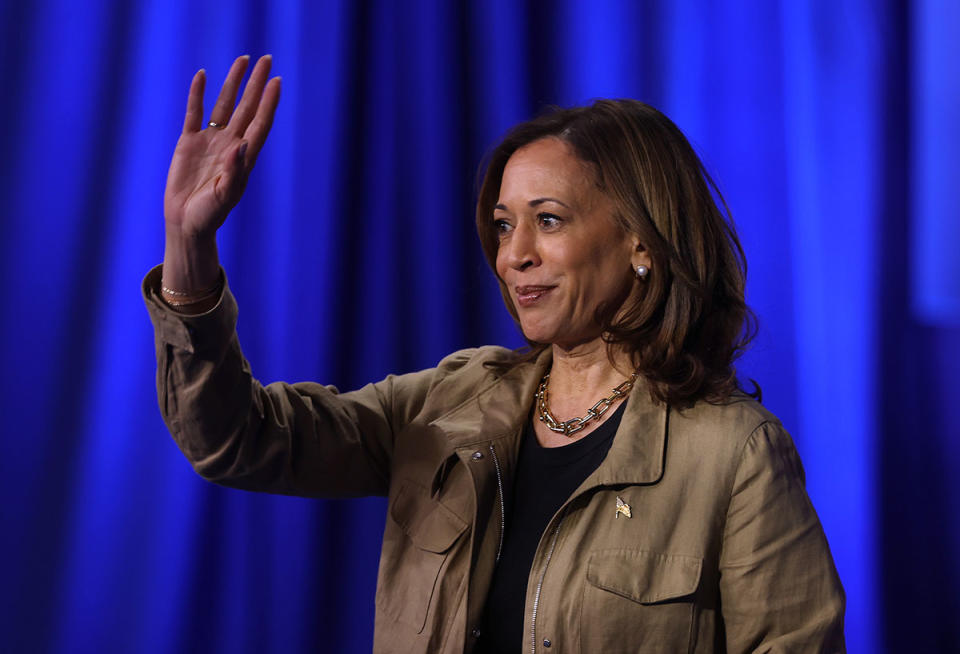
(546, 642)
(476, 632)
(477, 455)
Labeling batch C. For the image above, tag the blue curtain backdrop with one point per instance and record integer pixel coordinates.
(832, 128)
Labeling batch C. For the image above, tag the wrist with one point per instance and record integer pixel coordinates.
(191, 266)
(193, 302)
(187, 238)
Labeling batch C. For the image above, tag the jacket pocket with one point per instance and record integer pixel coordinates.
(412, 567)
(637, 600)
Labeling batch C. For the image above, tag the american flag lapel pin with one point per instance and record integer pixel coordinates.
(623, 508)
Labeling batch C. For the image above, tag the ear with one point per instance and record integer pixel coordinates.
(640, 256)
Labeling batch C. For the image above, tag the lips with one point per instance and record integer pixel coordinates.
(530, 295)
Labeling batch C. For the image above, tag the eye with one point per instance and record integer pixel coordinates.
(501, 227)
(549, 220)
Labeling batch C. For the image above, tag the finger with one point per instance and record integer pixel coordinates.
(257, 132)
(228, 92)
(251, 95)
(193, 121)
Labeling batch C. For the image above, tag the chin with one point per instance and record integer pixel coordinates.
(537, 334)
(549, 336)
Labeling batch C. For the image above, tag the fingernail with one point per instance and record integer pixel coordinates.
(242, 152)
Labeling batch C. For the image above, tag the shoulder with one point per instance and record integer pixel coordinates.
(473, 369)
(735, 418)
(458, 376)
(728, 432)
(485, 357)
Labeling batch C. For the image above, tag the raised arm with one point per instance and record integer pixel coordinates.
(208, 173)
(284, 438)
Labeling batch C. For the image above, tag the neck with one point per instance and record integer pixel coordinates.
(581, 375)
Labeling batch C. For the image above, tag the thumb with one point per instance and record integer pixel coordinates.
(240, 168)
(241, 157)
(235, 175)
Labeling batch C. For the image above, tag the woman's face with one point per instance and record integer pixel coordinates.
(560, 254)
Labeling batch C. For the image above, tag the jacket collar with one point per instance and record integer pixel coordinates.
(639, 446)
(500, 408)
(497, 409)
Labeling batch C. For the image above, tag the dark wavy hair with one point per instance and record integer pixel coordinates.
(689, 326)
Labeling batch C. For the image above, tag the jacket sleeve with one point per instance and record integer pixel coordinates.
(779, 589)
(298, 439)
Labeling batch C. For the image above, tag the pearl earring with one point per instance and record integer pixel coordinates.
(642, 271)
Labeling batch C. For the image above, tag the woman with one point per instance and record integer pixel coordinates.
(612, 490)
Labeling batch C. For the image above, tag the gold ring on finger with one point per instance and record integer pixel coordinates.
(216, 125)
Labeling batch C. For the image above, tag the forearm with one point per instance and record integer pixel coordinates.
(301, 439)
(191, 268)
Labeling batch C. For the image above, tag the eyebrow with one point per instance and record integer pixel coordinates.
(534, 203)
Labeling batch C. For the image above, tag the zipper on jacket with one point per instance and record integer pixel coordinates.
(503, 511)
(543, 574)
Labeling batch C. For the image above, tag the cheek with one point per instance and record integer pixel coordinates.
(500, 265)
(608, 275)
(598, 266)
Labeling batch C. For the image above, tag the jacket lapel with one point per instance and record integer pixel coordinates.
(639, 446)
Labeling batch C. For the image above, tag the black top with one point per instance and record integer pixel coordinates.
(545, 479)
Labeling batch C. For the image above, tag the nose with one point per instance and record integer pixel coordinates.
(520, 250)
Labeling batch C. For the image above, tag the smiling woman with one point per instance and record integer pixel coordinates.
(560, 253)
(624, 163)
(611, 490)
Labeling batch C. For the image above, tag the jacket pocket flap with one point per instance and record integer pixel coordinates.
(644, 577)
(430, 525)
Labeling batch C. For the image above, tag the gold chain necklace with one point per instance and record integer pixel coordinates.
(572, 426)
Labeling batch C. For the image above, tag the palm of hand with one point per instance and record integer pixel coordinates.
(199, 190)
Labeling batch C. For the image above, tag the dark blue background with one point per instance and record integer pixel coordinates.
(831, 127)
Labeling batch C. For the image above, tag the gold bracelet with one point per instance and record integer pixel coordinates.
(188, 303)
(190, 300)
(206, 291)
(180, 299)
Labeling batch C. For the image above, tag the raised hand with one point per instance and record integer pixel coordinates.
(211, 164)
(208, 173)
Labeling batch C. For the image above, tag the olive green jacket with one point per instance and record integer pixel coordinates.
(717, 549)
